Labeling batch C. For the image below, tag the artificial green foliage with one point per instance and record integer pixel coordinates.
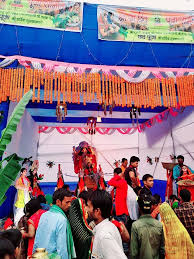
(8, 174)
(13, 122)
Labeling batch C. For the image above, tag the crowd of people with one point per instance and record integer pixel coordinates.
(122, 220)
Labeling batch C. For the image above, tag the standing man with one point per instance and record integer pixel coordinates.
(107, 240)
(124, 164)
(54, 231)
(148, 182)
(147, 238)
(131, 175)
(185, 212)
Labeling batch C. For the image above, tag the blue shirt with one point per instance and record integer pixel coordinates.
(51, 234)
(177, 171)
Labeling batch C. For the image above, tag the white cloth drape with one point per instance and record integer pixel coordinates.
(132, 204)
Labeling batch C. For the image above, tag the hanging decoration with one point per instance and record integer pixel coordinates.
(134, 114)
(172, 157)
(50, 164)
(117, 163)
(159, 118)
(28, 161)
(107, 90)
(149, 160)
(91, 122)
(61, 111)
(156, 159)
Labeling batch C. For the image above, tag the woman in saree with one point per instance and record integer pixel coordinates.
(178, 243)
(22, 196)
(30, 208)
(32, 226)
(82, 233)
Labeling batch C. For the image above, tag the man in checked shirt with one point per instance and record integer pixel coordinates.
(185, 212)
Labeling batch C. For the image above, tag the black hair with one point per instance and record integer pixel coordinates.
(13, 235)
(32, 207)
(157, 199)
(60, 194)
(6, 248)
(134, 159)
(102, 199)
(146, 176)
(173, 197)
(65, 186)
(117, 170)
(84, 195)
(123, 160)
(181, 157)
(185, 195)
(22, 170)
(41, 199)
(145, 203)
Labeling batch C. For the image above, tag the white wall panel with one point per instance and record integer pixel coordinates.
(25, 140)
(58, 148)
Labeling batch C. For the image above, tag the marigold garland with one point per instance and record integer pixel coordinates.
(108, 89)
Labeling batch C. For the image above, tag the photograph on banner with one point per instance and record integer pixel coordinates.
(57, 15)
(134, 25)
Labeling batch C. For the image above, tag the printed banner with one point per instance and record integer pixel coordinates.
(116, 24)
(57, 14)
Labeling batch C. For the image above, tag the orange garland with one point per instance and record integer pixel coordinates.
(105, 88)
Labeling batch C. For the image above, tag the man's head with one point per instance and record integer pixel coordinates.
(23, 172)
(117, 170)
(185, 195)
(7, 250)
(124, 162)
(62, 198)
(99, 205)
(15, 237)
(145, 204)
(134, 161)
(180, 159)
(148, 181)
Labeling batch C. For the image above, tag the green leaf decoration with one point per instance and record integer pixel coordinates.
(14, 121)
(8, 174)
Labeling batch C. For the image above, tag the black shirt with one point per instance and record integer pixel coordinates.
(145, 191)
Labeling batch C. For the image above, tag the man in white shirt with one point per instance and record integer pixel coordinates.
(107, 240)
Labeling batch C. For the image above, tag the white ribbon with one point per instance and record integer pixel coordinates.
(144, 75)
